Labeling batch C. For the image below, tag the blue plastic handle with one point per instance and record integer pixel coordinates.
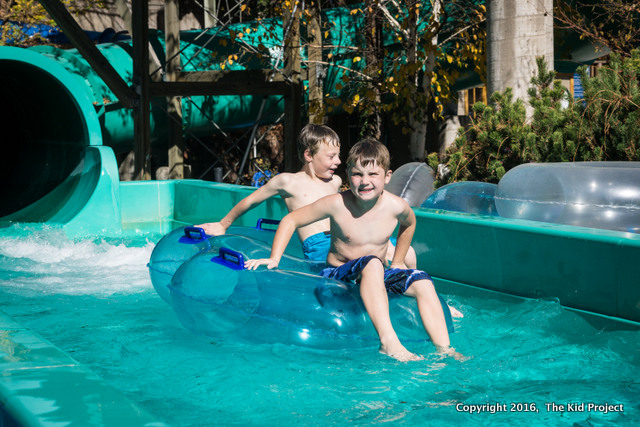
(267, 221)
(188, 231)
(229, 258)
(193, 235)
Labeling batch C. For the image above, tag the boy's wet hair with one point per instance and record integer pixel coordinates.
(312, 135)
(367, 151)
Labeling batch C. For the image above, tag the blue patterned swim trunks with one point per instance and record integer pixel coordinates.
(396, 280)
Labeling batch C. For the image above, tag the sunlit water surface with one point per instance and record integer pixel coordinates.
(93, 299)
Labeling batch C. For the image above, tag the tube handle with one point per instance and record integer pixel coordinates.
(265, 221)
(193, 235)
(229, 258)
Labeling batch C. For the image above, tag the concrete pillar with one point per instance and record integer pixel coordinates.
(518, 31)
(210, 13)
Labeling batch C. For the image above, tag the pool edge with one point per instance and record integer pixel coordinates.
(42, 385)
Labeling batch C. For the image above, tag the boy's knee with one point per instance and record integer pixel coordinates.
(421, 287)
(374, 265)
(372, 274)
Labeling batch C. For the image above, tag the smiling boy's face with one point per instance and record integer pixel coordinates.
(367, 182)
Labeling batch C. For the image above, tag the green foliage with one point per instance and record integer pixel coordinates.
(554, 128)
(495, 142)
(611, 114)
(424, 52)
(605, 126)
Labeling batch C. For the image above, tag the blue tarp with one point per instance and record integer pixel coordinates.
(23, 31)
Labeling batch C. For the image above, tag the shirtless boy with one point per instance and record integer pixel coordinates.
(319, 150)
(362, 219)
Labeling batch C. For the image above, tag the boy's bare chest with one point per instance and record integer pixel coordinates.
(307, 192)
(365, 228)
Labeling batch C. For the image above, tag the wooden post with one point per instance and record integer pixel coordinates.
(292, 102)
(154, 63)
(174, 108)
(314, 67)
(142, 126)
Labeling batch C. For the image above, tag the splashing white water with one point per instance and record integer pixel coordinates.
(45, 261)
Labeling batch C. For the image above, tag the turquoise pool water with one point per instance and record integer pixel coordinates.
(531, 361)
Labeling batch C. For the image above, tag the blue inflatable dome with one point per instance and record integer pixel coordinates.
(464, 196)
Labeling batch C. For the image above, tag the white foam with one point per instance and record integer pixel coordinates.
(46, 261)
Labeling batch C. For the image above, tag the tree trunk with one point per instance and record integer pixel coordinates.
(418, 121)
(372, 123)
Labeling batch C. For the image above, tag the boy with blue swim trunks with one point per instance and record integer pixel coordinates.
(319, 150)
(362, 219)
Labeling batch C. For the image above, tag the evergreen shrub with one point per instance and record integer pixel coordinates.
(603, 126)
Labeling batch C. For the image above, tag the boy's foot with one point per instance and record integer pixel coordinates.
(401, 354)
(455, 312)
(451, 352)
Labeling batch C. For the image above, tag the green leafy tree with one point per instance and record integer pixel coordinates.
(555, 123)
(414, 53)
(491, 145)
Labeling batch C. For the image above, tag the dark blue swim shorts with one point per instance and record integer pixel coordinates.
(396, 280)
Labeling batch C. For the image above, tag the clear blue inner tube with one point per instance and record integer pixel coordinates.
(179, 245)
(464, 196)
(602, 195)
(213, 294)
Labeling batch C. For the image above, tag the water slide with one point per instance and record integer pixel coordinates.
(62, 128)
(54, 161)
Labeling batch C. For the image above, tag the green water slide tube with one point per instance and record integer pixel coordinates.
(54, 161)
(62, 127)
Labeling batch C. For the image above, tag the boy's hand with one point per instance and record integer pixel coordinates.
(213, 228)
(252, 264)
(400, 265)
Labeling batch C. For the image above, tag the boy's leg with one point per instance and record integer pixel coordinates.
(430, 312)
(375, 299)
(410, 259)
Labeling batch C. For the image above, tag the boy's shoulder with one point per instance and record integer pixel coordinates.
(303, 177)
(284, 179)
(395, 201)
(296, 182)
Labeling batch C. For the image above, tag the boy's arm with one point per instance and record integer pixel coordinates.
(285, 230)
(407, 221)
(270, 189)
(299, 218)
